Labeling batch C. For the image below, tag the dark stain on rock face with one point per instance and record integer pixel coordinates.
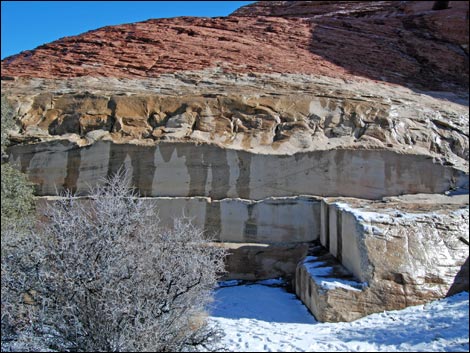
(213, 221)
(251, 226)
(199, 159)
(74, 160)
(143, 168)
(350, 173)
(25, 154)
(197, 169)
(243, 181)
(339, 236)
(326, 221)
(41, 174)
(142, 163)
(115, 160)
(166, 151)
(217, 160)
(299, 157)
(337, 169)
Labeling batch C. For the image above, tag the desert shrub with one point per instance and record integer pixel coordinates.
(17, 200)
(8, 121)
(103, 275)
(17, 213)
(19, 278)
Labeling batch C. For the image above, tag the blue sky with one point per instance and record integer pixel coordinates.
(28, 24)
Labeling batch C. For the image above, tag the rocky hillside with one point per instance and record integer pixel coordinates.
(252, 123)
(403, 42)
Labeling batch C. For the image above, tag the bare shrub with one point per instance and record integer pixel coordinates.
(17, 214)
(19, 264)
(17, 197)
(104, 276)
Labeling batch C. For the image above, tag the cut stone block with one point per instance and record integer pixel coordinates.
(385, 255)
(254, 262)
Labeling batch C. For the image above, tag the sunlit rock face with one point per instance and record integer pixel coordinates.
(258, 113)
(400, 42)
(276, 129)
(377, 256)
(186, 169)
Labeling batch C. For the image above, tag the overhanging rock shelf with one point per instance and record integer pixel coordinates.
(323, 142)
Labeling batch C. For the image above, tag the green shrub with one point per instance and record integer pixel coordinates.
(8, 121)
(17, 196)
(17, 201)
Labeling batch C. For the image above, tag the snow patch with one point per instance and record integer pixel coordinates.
(392, 216)
(365, 216)
(323, 276)
(259, 318)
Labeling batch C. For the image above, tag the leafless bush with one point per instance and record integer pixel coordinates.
(19, 263)
(102, 275)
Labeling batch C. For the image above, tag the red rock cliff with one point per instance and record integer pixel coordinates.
(395, 41)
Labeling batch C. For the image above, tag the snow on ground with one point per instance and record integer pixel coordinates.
(263, 317)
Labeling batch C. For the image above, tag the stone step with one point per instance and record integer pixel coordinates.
(327, 288)
(328, 272)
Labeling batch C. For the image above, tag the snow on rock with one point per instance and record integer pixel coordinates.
(324, 276)
(408, 253)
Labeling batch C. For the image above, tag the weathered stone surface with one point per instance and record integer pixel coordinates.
(178, 169)
(399, 42)
(268, 221)
(392, 254)
(231, 113)
(257, 261)
(230, 120)
(365, 37)
(329, 290)
(272, 221)
(265, 239)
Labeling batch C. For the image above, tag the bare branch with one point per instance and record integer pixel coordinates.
(107, 277)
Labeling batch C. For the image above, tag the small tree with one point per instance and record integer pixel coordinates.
(17, 201)
(16, 197)
(107, 277)
(8, 122)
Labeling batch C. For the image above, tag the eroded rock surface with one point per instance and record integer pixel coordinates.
(252, 123)
(384, 256)
(177, 169)
(277, 120)
(400, 42)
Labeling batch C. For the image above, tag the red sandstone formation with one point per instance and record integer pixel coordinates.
(272, 163)
(393, 41)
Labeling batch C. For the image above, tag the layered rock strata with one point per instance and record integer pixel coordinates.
(403, 42)
(186, 169)
(280, 127)
(258, 113)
